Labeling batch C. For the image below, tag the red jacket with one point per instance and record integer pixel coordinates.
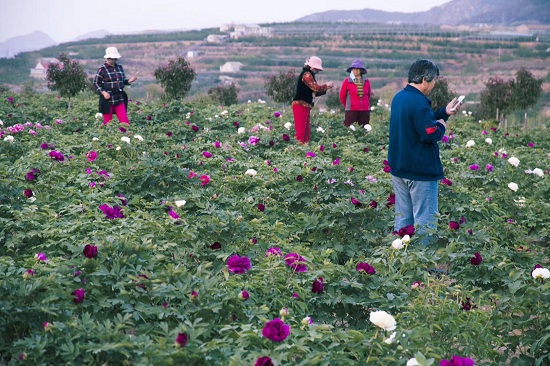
(350, 99)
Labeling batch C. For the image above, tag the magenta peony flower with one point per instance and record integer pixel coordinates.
(237, 264)
(391, 200)
(276, 114)
(181, 339)
(28, 193)
(253, 140)
(195, 128)
(91, 155)
(453, 225)
(32, 174)
(244, 295)
(407, 230)
(236, 124)
(336, 161)
(318, 286)
(445, 139)
(476, 259)
(474, 167)
(57, 156)
(194, 295)
(285, 137)
(264, 361)
(217, 144)
(41, 257)
(79, 295)
(90, 251)
(273, 251)
(206, 154)
(373, 204)
(364, 267)
(296, 262)
(531, 144)
(112, 213)
(355, 202)
(261, 207)
(457, 361)
(205, 179)
(173, 214)
(276, 330)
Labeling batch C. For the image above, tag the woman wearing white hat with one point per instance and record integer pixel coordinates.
(302, 103)
(109, 82)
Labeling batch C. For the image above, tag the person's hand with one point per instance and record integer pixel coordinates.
(330, 84)
(132, 80)
(442, 122)
(449, 108)
(106, 95)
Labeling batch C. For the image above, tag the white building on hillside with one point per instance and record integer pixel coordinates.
(39, 71)
(231, 67)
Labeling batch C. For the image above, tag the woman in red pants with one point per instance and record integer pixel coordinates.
(306, 90)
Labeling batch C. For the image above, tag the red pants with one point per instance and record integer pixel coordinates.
(120, 111)
(302, 123)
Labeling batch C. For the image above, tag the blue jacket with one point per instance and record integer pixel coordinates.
(413, 152)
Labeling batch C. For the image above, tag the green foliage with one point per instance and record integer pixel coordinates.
(496, 98)
(281, 87)
(67, 77)
(176, 78)
(526, 89)
(224, 94)
(440, 94)
(138, 288)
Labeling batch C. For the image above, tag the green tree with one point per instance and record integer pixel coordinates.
(176, 78)
(495, 99)
(224, 94)
(67, 77)
(440, 94)
(526, 91)
(281, 87)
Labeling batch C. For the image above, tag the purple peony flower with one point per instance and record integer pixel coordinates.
(41, 257)
(310, 154)
(453, 225)
(276, 114)
(476, 259)
(90, 251)
(112, 212)
(364, 267)
(79, 295)
(457, 361)
(474, 167)
(173, 214)
(273, 251)
(355, 202)
(57, 156)
(318, 286)
(264, 361)
(489, 167)
(296, 262)
(207, 154)
(237, 264)
(28, 193)
(261, 207)
(32, 174)
(91, 155)
(276, 330)
(181, 339)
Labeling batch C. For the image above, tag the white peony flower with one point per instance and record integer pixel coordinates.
(383, 320)
(413, 362)
(1, 123)
(320, 129)
(98, 116)
(538, 172)
(288, 125)
(251, 172)
(514, 161)
(138, 137)
(352, 127)
(542, 273)
(125, 139)
(118, 148)
(180, 203)
(241, 130)
(513, 186)
(9, 138)
(368, 128)
(397, 244)
(95, 139)
(489, 141)
(391, 339)
(406, 239)
(470, 143)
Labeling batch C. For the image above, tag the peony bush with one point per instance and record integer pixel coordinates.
(203, 235)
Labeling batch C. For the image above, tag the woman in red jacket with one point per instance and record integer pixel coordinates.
(355, 94)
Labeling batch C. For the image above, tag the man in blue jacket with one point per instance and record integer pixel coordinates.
(413, 153)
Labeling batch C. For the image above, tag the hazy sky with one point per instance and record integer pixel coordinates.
(64, 20)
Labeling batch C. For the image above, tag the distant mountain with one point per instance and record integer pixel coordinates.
(95, 34)
(30, 42)
(456, 12)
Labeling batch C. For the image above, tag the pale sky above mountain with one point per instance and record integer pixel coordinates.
(64, 20)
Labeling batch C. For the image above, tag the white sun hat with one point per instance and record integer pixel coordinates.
(314, 62)
(111, 52)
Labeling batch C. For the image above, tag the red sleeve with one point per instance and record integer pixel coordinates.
(344, 92)
(312, 84)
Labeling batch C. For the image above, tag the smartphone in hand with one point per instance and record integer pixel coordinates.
(458, 102)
